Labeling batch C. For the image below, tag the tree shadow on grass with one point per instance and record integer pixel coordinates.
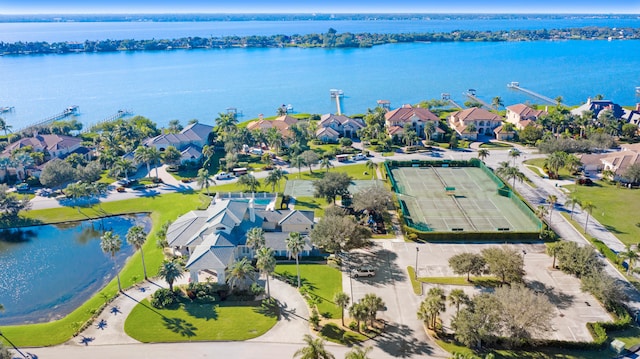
(269, 308)
(336, 334)
(313, 205)
(206, 311)
(292, 279)
(180, 326)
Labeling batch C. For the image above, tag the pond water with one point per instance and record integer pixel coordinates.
(48, 271)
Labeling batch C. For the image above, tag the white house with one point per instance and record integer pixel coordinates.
(343, 125)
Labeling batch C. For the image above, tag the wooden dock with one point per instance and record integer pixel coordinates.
(69, 111)
(516, 86)
(471, 93)
(447, 97)
(337, 95)
(116, 116)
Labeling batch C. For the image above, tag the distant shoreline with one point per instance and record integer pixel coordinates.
(331, 39)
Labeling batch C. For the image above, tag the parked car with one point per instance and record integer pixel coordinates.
(23, 187)
(363, 272)
(359, 157)
(223, 175)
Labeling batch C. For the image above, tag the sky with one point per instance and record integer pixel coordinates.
(318, 6)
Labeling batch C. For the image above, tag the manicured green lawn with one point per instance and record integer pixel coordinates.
(496, 146)
(616, 208)
(337, 334)
(162, 208)
(312, 204)
(539, 162)
(320, 280)
(191, 321)
(543, 353)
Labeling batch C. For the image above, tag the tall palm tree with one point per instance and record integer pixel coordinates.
(588, 207)
(272, 180)
(514, 153)
(4, 126)
(249, 182)
(155, 157)
(541, 212)
(572, 201)
(429, 129)
(483, 153)
(295, 245)
(358, 312)
(552, 199)
(123, 166)
(457, 297)
(371, 166)
(298, 162)
(136, 236)
(239, 272)
(207, 152)
(325, 163)
(255, 238)
(110, 244)
(141, 155)
(170, 271)
(342, 300)
(266, 263)
(373, 304)
(279, 174)
(553, 249)
(204, 180)
(358, 353)
(509, 173)
(630, 256)
(314, 349)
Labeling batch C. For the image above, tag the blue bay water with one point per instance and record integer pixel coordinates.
(200, 84)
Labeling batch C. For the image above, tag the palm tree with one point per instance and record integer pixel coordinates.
(239, 272)
(457, 297)
(630, 256)
(572, 201)
(358, 353)
(314, 349)
(172, 156)
(431, 306)
(155, 157)
(207, 152)
(371, 166)
(123, 166)
(541, 212)
(110, 243)
(553, 249)
(325, 162)
(509, 172)
(497, 102)
(298, 162)
(588, 207)
(552, 199)
(373, 304)
(514, 153)
(141, 155)
(204, 180)
(483, 153)
(255, 238)
(4, 126)
(342, 300)
(136, 236)
(429, 129)
(272, 180)
(170, 271)
(295, 245)
(249, 182)
(358, 312)
(266, 263)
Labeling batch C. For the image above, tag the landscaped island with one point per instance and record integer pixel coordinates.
(330, 39)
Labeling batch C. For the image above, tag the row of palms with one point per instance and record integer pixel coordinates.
(314, 349)
(435, 303)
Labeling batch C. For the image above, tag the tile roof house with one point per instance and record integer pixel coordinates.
(189, 141)
(282, 124)
(216, 237)
(632, 116)
(416, 117)
(327, 134)
(55, 145)
(484, 121)
(343, 125)
(597, 106)
(522, 115)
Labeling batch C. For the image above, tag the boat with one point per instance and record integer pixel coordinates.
(289, 108)
(336, 93)
(6, 109)
(638, 90)
(513, 84)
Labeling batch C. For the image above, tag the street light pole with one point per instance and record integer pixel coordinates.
(416, 271)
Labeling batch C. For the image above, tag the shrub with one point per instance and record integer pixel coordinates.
(256, 289)
(164, 298)
(353, 325)
(314, 319)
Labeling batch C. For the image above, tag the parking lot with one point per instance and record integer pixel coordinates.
(390, 260)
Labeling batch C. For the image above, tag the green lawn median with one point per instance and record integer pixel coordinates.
(194, 321)
(319, 280)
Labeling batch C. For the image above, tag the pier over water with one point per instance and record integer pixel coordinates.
(516, 86)
(69, 111)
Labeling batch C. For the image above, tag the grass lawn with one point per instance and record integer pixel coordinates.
(489, 282)
(415, 284)
(162, 208)
(312, 204)
(334, 332)
(320, 280)
(496, 146)
(191, 321)
(616, 208)
(537, 171)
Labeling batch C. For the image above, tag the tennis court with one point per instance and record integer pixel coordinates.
(459, 199)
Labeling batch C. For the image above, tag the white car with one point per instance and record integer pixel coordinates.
(223, 175)
(359, 157)
(363, 272)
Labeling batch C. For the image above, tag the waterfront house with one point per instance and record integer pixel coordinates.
(282, 124)
(521, 115)
(619, 162)
(216, 237)
(53, 145)
(483, 121)
(632, 116)
(597, 106)
(503, 134)
(189, 141)
(415, 117)
(327, 135)
(343, 125)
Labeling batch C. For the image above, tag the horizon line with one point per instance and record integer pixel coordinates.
(322, 13)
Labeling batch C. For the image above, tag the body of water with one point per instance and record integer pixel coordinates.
(188, 84)
(46, 272)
